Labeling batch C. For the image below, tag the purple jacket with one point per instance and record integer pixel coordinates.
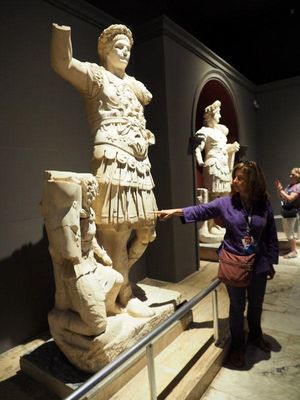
(230, 212)
(294, 189)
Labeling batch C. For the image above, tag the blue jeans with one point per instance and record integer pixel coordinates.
(254, 293)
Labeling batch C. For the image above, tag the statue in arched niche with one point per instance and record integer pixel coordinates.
(115, 103)
(217, 165)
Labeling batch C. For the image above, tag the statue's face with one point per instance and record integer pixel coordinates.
(91, 195)
(119, 54)
(217, 115)
(89, 192)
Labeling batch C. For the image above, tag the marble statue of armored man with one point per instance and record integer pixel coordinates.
(125, 204)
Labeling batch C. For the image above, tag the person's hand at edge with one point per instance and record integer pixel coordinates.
(163, 215)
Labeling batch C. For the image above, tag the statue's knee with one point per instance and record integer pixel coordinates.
(152, 235)
(146, 235)
(95, 323)
(119, 279)
(97, 327)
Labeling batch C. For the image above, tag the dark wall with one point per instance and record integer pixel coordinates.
(160, 252)
(43, 126)
(278, 122)
(26, 293)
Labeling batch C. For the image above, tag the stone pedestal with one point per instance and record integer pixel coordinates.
(48, 365)
(208, 251)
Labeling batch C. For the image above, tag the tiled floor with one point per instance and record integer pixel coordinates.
(265, 377)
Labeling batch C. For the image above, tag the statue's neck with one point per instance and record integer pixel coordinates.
(119, 72)
(213, 124)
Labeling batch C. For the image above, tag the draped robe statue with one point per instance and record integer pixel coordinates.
(217, 166)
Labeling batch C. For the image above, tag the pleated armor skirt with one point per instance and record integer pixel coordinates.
(126, 198)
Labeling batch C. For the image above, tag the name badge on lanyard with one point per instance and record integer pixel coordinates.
(248, 241)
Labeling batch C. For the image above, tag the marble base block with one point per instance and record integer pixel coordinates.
(48, 365)
(208, 251)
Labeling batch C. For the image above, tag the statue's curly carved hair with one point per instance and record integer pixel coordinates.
(210, 111)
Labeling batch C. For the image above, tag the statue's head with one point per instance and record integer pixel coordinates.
(108, 38)
(216, 105)
(90, 189)
(212, 112)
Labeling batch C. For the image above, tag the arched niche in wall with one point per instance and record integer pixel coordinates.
(213, 90)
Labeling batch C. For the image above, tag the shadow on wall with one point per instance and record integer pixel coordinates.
(27, 289)
(26, 293)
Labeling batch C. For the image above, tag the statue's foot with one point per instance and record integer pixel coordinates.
(213, 235)
(137, 308)
(203, 231)
(220, 228)
(211, 238)
(217, 230)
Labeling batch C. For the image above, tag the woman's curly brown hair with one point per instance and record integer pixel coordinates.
(254, 179)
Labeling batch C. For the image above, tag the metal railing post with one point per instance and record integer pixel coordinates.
(215, 315)
(151, 371)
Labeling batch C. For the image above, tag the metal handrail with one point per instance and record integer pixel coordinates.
(100, 376)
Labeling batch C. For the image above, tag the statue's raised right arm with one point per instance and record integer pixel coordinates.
(62, 60)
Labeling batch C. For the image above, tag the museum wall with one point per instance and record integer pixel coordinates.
(187, 65)
(43, 126)
(278, 126)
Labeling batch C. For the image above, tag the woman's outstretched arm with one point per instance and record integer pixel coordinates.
(163, 215)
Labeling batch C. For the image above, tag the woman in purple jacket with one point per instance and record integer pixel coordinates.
(248, 218)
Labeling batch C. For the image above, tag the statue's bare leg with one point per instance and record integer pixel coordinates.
(111, 281)
(137, 246)
(112, 306)
(139, 243)
(67, 320)
(86, 312)
(116, 243)
(202, 197)
(214, 228)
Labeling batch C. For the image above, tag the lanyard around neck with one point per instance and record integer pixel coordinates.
(248, 214)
